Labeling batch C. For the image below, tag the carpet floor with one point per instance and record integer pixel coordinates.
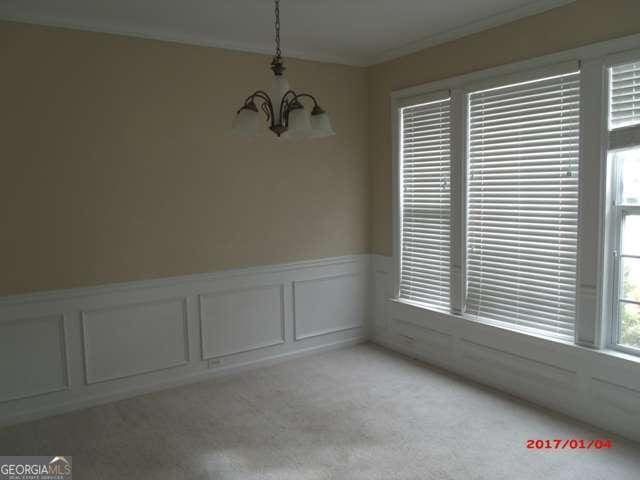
(358, 413)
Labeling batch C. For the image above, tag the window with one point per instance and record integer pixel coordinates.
(522, 204)
(624, 155)
(517, 196)
(624, 105)
(425, 169)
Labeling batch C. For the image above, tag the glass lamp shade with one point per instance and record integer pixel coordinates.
(321, 125)
(246, 123)
(299, 124)
(279, 86)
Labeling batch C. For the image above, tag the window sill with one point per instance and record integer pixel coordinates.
(620, 354)
(523, 333)
(527, 332)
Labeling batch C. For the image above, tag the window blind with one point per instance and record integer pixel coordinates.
(523, 151)
(425, 203)
(625, 95)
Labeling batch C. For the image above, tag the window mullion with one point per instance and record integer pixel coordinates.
(458, 186)
(592, 193)
(613, 305)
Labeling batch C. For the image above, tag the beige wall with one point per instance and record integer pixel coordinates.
(583, 22)
(116, 165)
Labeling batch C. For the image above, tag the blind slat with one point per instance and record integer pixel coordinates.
(522, 204)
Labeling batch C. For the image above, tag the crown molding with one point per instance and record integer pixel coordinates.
(486, 23)
(166, 35)
(181, 38)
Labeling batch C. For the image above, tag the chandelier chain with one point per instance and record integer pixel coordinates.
(278, 51)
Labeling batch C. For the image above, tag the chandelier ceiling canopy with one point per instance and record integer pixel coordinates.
(284, 108)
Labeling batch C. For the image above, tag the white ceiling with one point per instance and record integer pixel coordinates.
(357, 32)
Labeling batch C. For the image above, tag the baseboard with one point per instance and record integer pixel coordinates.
(70, 349)
(185, 380)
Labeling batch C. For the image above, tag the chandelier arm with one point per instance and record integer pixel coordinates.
(285, 103)
(267, 111)
(248, 100)
(307, 95)
(261, 94)
(266, 106)
(285, 113)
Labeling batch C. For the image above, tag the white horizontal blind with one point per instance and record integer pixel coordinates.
(426, 203)
(523, 204)
(625, 95)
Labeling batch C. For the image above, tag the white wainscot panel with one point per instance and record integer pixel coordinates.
(623, 399)
(238, 321)
(433, 345)
(542, 382)
(129, 340)
(329, 304)
(33, 357)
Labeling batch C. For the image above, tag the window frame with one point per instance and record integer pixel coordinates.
(535, 74)
(614, 217)
(430, 97)
(593, 294)
(615, 230)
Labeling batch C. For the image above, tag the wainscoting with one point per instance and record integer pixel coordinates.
(68, 349)
(599, 388)
(65, 350)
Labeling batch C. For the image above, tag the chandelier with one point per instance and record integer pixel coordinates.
(284, 110)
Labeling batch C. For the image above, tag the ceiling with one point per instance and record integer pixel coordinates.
(356, 32)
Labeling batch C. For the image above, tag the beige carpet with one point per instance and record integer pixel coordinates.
(359, 413)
